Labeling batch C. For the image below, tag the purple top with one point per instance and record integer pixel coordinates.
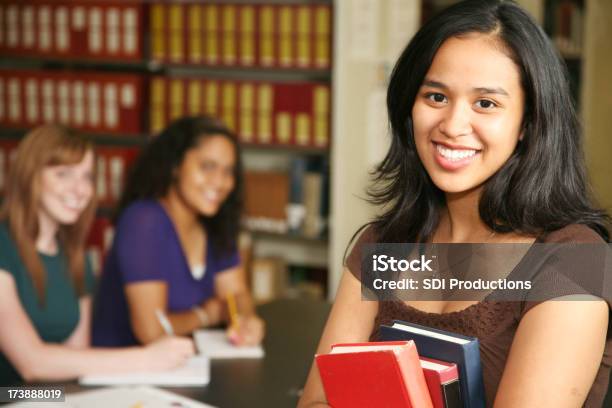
(146, 247)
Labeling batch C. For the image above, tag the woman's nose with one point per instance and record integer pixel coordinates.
(456, 121)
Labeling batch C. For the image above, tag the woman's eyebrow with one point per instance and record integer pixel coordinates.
(434, 84)
(487, 90)
(481, 89)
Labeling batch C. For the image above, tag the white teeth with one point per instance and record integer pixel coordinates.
(72, 204)
(211, 196)
(454, 154)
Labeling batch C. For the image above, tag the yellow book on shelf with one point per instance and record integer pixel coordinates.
(266, 36)
(285, 36)
(302, 131)
(176, 32)
(247, 35)
(211, 97)
(229, 35)
(321, 116)
(158, 34)
(304, 35)
(195, 33)
(158, 104)
(228, 113)
(265, 102)
(194, 96)
(322, 36)
(176, 99)
(247, 102)
(283, 127)
(211, 34)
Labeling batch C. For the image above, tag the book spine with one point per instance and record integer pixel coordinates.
(211, 33)
(246, 127)
(195, 34)
(158, 28)
(247, 36)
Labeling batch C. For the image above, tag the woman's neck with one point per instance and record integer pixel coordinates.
(46, 241)
(184, 217)
(460, 221)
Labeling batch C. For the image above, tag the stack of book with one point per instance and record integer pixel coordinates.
(416, 366)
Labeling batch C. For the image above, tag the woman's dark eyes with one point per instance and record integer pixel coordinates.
(440, 98)
(486, 104)
(436, 97)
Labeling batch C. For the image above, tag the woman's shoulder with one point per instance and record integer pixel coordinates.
(142, 211)
(574, 233)
(366, 234)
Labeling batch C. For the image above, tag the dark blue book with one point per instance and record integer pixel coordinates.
(445, 346)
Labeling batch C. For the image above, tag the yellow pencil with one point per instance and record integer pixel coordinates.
(233, 311)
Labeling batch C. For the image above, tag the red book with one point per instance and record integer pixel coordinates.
(379, 374)
(443, 383)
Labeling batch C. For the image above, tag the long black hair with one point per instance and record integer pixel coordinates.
(153, 174)
(543, 185)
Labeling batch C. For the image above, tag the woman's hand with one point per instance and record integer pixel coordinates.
(168, 352)
(247, 331)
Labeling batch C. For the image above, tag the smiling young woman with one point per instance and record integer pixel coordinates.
(45, 281)
(175, 247)
(485, 148)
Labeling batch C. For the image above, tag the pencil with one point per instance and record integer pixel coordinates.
(165, 323)
(233, 311)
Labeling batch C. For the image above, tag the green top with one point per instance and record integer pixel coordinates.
(59, 317)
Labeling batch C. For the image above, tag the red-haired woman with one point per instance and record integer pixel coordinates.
(45, 280)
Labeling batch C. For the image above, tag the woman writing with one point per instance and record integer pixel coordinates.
(485, 149)
(45, 281)
(174, 255)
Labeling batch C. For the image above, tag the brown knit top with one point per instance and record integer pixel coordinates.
(493, 323)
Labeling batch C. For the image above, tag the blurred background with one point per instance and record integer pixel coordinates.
(302, 82)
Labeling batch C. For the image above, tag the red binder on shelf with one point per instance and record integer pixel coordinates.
(379, 374)
(284, 113)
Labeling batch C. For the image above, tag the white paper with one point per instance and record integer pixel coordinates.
(195, 373)
(215, 345)
(124, 397)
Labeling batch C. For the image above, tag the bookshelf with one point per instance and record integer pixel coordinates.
(121, 70)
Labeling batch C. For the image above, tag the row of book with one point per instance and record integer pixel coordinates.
(112, 168)
(109, 30)
(95, 102)
(413, 366)
(260, 112)
(296, 113)
(263, 35)
(289, 202)
(190, 32)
